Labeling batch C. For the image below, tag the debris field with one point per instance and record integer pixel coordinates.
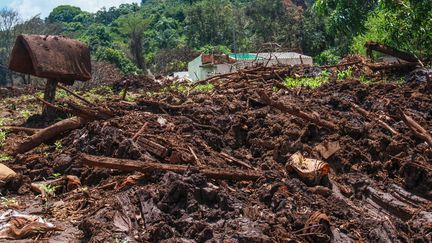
(248, 161)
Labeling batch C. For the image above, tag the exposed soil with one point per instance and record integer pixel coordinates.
(379, 187)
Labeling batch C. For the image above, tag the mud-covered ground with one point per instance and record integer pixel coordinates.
(378, 188)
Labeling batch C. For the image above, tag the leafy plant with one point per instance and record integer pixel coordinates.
(26, 114)
(9, 202)
(3, 135)
(5, 157)
(58, 146)
(55, 175)
(204, 87)
(314, 82)
(49, 189)
(344, 74)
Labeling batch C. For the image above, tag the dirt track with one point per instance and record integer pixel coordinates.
(378, 189)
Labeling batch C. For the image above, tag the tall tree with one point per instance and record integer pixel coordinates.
(8, 19)
(133, 25)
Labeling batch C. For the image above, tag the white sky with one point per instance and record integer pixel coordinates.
(29, 8)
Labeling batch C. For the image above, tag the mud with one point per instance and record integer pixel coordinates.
(379, 187)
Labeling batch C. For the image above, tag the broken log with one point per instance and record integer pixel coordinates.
(48, 133)
(296, 112)
(400, 67)
(374, 46)
(373, 117)
(27, 130)
(416, 128)
(146, 166)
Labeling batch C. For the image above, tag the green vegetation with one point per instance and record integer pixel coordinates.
(49, 189)
(9, 202)
(26, 114)
(55, 176)
(3, 135)
(344, 74)
(164, 36)
(306, 82)
(5, 157)
(204, 87)
(58, 146)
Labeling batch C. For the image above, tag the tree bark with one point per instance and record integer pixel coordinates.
(48, 133)
(373, 46)
(49, 96)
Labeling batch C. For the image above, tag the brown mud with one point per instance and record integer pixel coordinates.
(379, 188)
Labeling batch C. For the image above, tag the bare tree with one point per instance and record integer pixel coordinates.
(8, 20)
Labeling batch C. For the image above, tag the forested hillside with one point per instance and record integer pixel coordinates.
(163, 35)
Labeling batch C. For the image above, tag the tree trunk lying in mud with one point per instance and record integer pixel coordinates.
(48, 133)
(145, 166)
(374, 46)
(298, 113)
(15, 129)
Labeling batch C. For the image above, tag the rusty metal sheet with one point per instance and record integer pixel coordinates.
(53, 57)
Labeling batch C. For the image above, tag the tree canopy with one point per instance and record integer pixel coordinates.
(137, 37)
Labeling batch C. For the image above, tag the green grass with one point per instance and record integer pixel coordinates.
(305, 82)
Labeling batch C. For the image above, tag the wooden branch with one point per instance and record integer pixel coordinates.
(146, 167)
(390, 51)
(48, 133)
(27, 130)
(142, 129)
(374, 117)
(232, 159)
(298, 113)
(48, 104)
(416, 128)
(73, 94)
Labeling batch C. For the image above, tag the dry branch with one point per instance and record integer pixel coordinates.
(373, 117)
(73, 94)
(146, 167)
(416, 128)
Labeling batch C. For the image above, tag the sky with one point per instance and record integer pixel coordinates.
(29, 8)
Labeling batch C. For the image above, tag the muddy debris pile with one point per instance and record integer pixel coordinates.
(249, 161)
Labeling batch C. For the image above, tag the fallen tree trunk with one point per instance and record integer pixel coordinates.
(27, 130)
(145, 166)
(401, 67)
(374, 46)
(48, 133)
(298, 113)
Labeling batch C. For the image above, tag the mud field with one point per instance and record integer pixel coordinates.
(220, 165)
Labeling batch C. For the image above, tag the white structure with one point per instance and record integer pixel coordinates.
(205, 66)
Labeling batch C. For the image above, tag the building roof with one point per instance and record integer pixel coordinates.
(282, 55)
(267, 55)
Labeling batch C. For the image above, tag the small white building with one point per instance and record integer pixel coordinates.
(205, 66)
